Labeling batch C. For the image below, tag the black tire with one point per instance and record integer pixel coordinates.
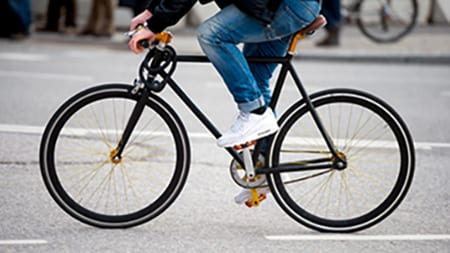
(386, 21)
(379, 151)
(76, 158)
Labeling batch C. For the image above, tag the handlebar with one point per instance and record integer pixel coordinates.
(159, 62)
(163, 38)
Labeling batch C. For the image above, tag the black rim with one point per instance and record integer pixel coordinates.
(371, 217)
(72, 207)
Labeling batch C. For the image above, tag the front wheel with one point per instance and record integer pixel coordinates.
(79, 146)
(374, 141)
(386, 20)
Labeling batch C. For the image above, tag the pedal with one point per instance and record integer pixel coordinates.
(256, 199)
(245, 145)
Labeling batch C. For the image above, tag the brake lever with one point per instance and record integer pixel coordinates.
(139, 27)
(131, 33)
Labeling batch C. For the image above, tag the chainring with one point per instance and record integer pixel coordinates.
(239, 176)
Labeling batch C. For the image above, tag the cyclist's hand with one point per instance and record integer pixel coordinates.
(140, 19)
(144, 34)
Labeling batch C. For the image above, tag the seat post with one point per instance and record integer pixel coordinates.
(319, 22)
(298, 36)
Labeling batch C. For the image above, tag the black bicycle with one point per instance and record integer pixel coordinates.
(382, 21)
(117, 155)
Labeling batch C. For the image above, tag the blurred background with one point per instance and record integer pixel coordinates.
(48, 56)
(431, 12)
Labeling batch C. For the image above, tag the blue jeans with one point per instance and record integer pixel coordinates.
(219, 36)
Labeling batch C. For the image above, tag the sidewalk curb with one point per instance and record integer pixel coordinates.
(404, 59)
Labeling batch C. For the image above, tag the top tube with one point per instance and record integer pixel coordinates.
(166, 37)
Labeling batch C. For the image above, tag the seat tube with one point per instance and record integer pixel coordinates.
(331, 146)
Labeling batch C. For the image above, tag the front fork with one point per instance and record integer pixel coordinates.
(143, 84)
(116, 154)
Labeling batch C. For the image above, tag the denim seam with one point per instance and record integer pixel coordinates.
(293, 15)
(309, 8)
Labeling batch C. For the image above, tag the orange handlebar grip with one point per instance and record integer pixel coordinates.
(164, 37)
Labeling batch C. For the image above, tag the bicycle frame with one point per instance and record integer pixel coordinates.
(286, 67)
(90, 181)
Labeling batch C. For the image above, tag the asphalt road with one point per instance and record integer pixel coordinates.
(35, 78)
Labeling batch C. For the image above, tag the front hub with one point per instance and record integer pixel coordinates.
(115, 157)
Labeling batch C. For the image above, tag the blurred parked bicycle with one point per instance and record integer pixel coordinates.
(383, 21)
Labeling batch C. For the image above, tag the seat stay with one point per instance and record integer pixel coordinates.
(317, 120)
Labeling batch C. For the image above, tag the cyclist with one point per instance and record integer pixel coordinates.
(264, 26)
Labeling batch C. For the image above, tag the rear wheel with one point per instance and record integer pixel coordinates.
(77, 158)
(380, 162)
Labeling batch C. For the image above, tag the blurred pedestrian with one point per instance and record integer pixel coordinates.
(101, 19)
(54, 8)
(331, 9)
(15, 18)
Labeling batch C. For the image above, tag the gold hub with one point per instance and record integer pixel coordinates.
(339, 165)
(113, 156)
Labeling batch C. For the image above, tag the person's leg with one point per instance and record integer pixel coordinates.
(263, 72)
(249, 84)
(53, 14)
(331, 9)
(219, 36)
(107, 26)
(91, 24)
(71, 13)
(9, 21)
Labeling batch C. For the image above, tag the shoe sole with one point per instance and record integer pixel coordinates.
(256, 136)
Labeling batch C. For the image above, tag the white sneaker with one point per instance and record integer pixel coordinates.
(245, 195)
(248, 127)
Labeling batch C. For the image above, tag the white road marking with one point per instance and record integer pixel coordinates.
(413, 237)
(22, 242)
(52, 76)
(26, 129)
(23, 57)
